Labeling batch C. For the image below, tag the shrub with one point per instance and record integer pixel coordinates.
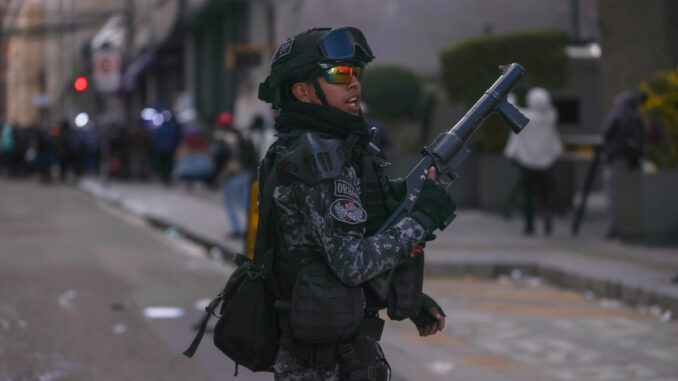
(470, 67)
(391, 92)
(661, 107)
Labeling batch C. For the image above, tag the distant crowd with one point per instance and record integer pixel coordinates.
(148, 149)
(155, 147)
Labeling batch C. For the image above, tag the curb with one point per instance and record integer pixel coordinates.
(226, 254)
(631, 294)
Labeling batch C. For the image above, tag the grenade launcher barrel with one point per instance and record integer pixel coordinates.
(449, 149)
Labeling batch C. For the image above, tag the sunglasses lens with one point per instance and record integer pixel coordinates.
(342, 74)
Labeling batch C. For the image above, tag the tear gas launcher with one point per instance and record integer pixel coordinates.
(449, 149)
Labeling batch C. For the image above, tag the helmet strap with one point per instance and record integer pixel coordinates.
(319, 91)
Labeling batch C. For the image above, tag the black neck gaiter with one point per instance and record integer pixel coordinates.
(301, 116)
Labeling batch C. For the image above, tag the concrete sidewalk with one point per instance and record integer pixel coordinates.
(475, 244)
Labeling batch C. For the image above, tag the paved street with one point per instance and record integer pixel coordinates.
(82, 283)
(75, 280)
(525, 330)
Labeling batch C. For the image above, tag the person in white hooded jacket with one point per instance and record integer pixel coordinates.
(535, 151)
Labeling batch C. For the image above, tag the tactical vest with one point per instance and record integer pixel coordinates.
(302, 275)
(380, 198)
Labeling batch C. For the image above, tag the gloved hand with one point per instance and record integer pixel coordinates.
(434, 206)
(431, 318)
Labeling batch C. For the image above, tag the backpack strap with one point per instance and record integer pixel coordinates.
(203, 326)
(261, 255)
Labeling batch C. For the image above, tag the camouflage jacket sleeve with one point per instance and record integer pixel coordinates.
(330, 218)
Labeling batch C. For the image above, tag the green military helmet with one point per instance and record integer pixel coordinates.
(306, 52)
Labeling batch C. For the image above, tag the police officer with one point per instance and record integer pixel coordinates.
(329, 199)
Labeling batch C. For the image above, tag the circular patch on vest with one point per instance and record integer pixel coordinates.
(348, 211)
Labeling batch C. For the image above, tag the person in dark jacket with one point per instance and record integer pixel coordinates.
(7, 149)
(624, 135)
(166, 138)
(236, 170)
(70, 150)
(329, 200)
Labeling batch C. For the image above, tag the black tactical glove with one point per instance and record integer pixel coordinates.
(424, 318)
(434, 206)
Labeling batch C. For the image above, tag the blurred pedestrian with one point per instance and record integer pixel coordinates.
(192, 158)
(119, 145)
(7, 149)
(140, 148)
(47, 157)
(623, 138)
(236, 172)
(70, 150)
(34, 147)
(261, 135)
(92, 157)
(535, 151)
(166, 139)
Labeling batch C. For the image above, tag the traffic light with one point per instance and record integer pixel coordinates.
(80, 84)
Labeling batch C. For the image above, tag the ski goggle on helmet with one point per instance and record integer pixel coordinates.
(345, 43)
(348, 44)
(338, 54)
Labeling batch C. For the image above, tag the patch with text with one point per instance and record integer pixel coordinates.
(343, 188)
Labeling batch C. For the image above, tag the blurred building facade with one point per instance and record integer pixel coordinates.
(135, 54)
(631, 54)
(210, 55)
(45, 42)
(25, 70)
(412, 34)
(4, 43)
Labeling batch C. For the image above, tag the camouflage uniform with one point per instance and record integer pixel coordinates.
(328, 218)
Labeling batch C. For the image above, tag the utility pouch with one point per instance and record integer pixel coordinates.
(247, 330)
(404, 298)
(363, 360)
(323, 309)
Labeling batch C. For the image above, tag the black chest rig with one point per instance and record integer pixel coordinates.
(375, 196)
(381, 197)
(308, 288)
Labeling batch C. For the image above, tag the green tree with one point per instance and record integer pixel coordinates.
(471, 66)
(391, 92)
(661, 107)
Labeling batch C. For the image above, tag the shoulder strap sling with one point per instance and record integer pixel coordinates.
(260, 257)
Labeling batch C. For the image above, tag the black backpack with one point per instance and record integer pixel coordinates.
(247, 330)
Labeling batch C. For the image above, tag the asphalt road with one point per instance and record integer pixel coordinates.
(90, 293)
